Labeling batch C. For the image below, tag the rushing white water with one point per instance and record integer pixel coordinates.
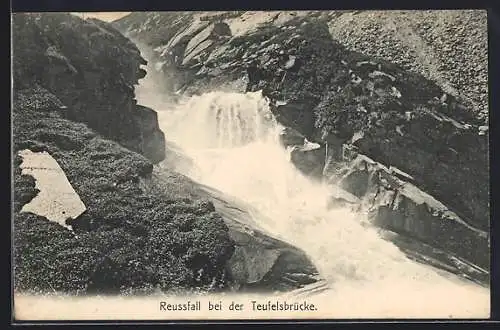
(232, 140)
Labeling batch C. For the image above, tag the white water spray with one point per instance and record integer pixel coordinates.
(233, 142)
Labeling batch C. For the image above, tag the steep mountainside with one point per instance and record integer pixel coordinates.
(447, 46)
(404, 141)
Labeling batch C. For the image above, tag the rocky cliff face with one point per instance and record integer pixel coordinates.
(92, 68)
(396, 203)
(350, 104)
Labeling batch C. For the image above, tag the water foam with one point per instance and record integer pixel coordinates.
(233, 141)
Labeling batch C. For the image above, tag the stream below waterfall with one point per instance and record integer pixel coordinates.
(232, 142)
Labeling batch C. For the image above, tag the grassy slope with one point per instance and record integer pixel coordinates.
(128, 240)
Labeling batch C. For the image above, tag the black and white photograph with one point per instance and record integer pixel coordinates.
(250, 165)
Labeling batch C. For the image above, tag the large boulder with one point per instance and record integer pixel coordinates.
(296, 115)
(395, 203)
(290, 137)
(153, 139)
(204, 39)
(260, 261)
(447, 46)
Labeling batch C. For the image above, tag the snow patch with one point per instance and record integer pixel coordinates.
(57, 200)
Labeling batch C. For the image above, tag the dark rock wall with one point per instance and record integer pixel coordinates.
(92, 68)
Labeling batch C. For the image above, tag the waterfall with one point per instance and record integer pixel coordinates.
(232, 140)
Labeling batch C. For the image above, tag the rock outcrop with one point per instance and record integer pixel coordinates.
(92, 68)
(397, 204)
(309, 159)
(350, 104)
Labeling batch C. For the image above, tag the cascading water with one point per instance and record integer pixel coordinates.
(233, 142)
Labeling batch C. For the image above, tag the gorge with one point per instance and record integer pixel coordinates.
(273, 159)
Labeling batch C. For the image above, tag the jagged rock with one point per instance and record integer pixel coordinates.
(416, 40)
(198, 39)
(263, 263)
(375, 74)
(201, 41)
(335, 155)
(187, 33)
(297, 115)
(402, 207)
(441, 161)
